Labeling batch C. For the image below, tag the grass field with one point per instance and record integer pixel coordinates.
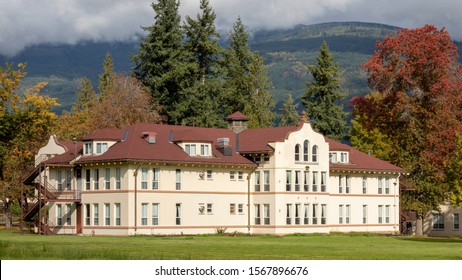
(16, 246)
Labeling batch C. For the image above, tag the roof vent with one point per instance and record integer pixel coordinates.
(150, 137)
(224, 147)
(223, 141)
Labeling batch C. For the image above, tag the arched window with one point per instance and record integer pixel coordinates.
(297, 152)
(306, 145)
(314, 154)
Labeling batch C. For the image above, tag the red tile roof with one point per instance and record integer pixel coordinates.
(359, 161)
(134, 147)
(68, 156)
(105, 134)
(238, 116)
(256, 140)
(165, 149)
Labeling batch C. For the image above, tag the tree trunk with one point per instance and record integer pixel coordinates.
(419, 226)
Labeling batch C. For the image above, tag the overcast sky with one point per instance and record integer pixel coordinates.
(27, 22)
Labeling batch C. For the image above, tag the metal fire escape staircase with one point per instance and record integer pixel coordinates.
(45, 193)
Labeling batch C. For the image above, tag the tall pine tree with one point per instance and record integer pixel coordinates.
(201, 107)
(247, 83)
(259, 102)
(161, 63)
(107, 77)
(202, 42)
(237, 61)
(322, 98)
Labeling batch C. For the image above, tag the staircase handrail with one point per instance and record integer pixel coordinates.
(40, 159)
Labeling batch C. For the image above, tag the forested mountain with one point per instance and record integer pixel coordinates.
(286, 53)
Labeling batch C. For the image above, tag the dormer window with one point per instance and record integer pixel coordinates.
(344, 157)
(197, 149)
(88, 148)
(190, 149)
(333, 157)
(101, 148)
(205, 150)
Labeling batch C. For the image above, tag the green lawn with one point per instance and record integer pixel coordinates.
(16, 246)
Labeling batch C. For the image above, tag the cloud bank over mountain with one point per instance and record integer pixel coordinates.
(29, 22)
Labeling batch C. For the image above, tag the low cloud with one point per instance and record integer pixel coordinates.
(29, 22)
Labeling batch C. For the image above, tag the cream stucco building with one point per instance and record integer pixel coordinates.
(163, 179)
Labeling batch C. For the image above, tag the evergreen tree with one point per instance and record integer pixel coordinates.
(161, 63)
(204, 52)
(202, 107)
(202, 41)
(259, 103)
(106, 78)
(323, 95)
(237, 61)
(289, 114)
(86, 96)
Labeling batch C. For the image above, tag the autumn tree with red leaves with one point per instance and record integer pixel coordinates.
(416, 110)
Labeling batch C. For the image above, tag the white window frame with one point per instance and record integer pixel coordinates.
(288, 180)
(155, 214)
(59, 214)
(95, 214)
(178, 214)
(257, 214)
(240, 208)
(117, 214)
(266, 214)
(344, 157)
(88, 148)
(232, 175)
(315, 181)
(178, 179)
(364, 213)
(107, 214)
(288, 214)
(380, 214)
(96, 179)
(364, 184)
(107, 178)
(144, 178)
(297, 152)
(347, 213)
(155, 178)
(437, 221)
(68, 214)
(257, 181)
(144, 214)
(59, 179)
(266, 180)
(118, 178)
(306, 213)
(297, 213)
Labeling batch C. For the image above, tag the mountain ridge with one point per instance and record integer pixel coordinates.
(286, 53)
